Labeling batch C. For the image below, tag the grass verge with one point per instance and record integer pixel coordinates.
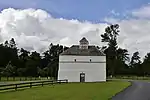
(70, 91)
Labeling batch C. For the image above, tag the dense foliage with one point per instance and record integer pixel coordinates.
(118, 62)
(21, 62)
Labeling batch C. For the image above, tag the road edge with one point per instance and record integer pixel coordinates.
(122, 90)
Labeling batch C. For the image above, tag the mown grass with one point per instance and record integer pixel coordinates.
(70, 91)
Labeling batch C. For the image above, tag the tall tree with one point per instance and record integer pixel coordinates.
(12, 43)
(33, 63)
(24, 63)
(9, 70)
(135, 59)
(8, 52)
(13, 52)
(23, 58)
(121, 60)
(110, 36)
(6, 44)
(146, 65)
(135, 64)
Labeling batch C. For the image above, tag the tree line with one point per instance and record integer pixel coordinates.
(117, 57)
(23, 63)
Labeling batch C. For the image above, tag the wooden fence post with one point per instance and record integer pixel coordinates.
(52, 82)
(42, 83)
(16, 87)
(30, 84)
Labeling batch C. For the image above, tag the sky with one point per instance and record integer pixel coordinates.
(36, 23)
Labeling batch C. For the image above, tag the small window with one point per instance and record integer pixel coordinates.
(90, 60)
(75, 60)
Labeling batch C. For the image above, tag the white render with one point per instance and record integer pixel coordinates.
(94, 68)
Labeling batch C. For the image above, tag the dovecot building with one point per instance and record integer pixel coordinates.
(82, 63)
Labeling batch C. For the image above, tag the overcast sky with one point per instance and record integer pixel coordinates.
(36, 23)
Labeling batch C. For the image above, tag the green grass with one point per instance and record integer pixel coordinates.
(70, 91)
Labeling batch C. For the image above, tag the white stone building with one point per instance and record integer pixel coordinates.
(82, 63)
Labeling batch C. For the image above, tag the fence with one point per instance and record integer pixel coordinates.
(130, 77)
(24, 78)
(30, 84)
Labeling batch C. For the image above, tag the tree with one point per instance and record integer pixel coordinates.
(42, 72)
(50, 59)
(12, 43)
(110, 36)
(21, 72)
(9, 70)
(121, 59)
(146, 65)
(135, 64)
(6, 44)
(33, 63)
(54, 52)
(1, 71)
(135, 59)
(23, 58)
(8, 52)
(20, 62)
(122, 54)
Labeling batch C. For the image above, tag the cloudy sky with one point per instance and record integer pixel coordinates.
(36, 23)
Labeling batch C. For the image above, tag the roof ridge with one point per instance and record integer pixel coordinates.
(91, 51)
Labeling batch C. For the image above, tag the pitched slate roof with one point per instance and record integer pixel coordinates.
(75, 50)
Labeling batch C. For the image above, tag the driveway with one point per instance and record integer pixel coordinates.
(139, 90)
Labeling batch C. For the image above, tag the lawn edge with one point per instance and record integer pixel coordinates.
(122, 90)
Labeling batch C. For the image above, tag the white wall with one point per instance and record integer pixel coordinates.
(83, 58)
(94, 70)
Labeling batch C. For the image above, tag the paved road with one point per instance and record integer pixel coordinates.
(139, 90)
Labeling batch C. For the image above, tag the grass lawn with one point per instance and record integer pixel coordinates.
(70, 91)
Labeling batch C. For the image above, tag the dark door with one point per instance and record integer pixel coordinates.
(82, 77)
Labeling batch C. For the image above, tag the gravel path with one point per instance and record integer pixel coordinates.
(139, 90)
